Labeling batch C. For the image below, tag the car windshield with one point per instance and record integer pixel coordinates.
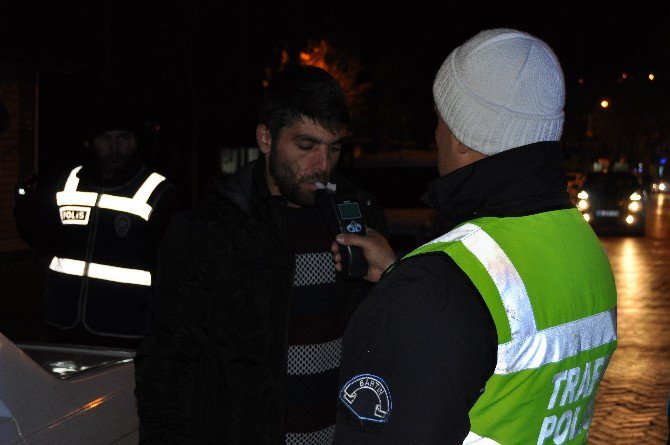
(615, 183)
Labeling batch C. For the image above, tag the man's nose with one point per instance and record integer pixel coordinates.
(112, 149)
(320, 160)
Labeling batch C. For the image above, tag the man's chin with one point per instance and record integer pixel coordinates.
(303, 198)
(113, 166)
(304, 201)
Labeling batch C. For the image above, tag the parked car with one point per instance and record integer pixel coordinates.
(614, 201)
(399, 179)
(57, 394)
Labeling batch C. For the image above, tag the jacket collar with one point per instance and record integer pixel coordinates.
(516, 182)
(246, 187)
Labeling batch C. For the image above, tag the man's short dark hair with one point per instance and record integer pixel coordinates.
(299, 92)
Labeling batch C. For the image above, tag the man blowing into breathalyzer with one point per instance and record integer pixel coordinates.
(246, 323)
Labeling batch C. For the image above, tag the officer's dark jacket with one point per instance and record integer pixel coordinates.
(85, 239)
(212, 368)
(425, 325)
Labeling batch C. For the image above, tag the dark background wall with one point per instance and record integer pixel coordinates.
(192, 73)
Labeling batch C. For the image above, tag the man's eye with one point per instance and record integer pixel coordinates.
(335, 148)
(305, 147)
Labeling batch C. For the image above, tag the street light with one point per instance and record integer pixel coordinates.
(651, 76)
(604, 103)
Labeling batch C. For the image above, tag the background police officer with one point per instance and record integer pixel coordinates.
(101, 222)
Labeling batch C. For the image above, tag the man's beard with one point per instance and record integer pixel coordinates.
(290, 184)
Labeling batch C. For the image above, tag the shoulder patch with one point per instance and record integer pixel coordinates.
(368, 397)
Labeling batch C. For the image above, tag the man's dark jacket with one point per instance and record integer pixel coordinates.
(212, 368)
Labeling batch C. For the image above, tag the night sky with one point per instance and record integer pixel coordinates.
(197, 71)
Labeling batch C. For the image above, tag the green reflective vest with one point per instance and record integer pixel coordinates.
(548, 284)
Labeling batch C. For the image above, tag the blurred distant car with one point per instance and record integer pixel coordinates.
(660, 186)
(613, 201)
(53, 394)
(399, 179)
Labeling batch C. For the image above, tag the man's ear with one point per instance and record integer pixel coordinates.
(467, 155)
(460, 146)
(263, 138)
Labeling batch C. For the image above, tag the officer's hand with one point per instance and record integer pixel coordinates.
(376, 250)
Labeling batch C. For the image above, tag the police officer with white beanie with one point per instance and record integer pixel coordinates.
(500, 330)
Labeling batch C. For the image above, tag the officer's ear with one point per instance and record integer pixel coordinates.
(263, 138)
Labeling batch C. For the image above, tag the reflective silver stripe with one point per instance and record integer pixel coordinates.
(70, 267)
(529, 348)
(458, 234)
(127, 205)
(76, 198)
(150, 184)
(70, 195)
(507, 280)
(313, 359)
(475, 439)
(72, 180)
(137, 205)
(505, 276)
(101, 271)
(556, 343)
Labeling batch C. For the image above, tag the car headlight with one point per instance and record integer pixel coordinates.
(663, 186)
(635, 196)
(583, 204)
(635, 206)
(583, 195)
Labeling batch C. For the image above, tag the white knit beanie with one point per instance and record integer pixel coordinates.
(501, 89)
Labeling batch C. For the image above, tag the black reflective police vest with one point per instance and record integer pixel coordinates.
(101, 275)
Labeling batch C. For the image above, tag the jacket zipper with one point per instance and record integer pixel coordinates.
(88, 257)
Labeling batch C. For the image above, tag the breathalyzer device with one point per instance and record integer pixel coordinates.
(342, 213)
